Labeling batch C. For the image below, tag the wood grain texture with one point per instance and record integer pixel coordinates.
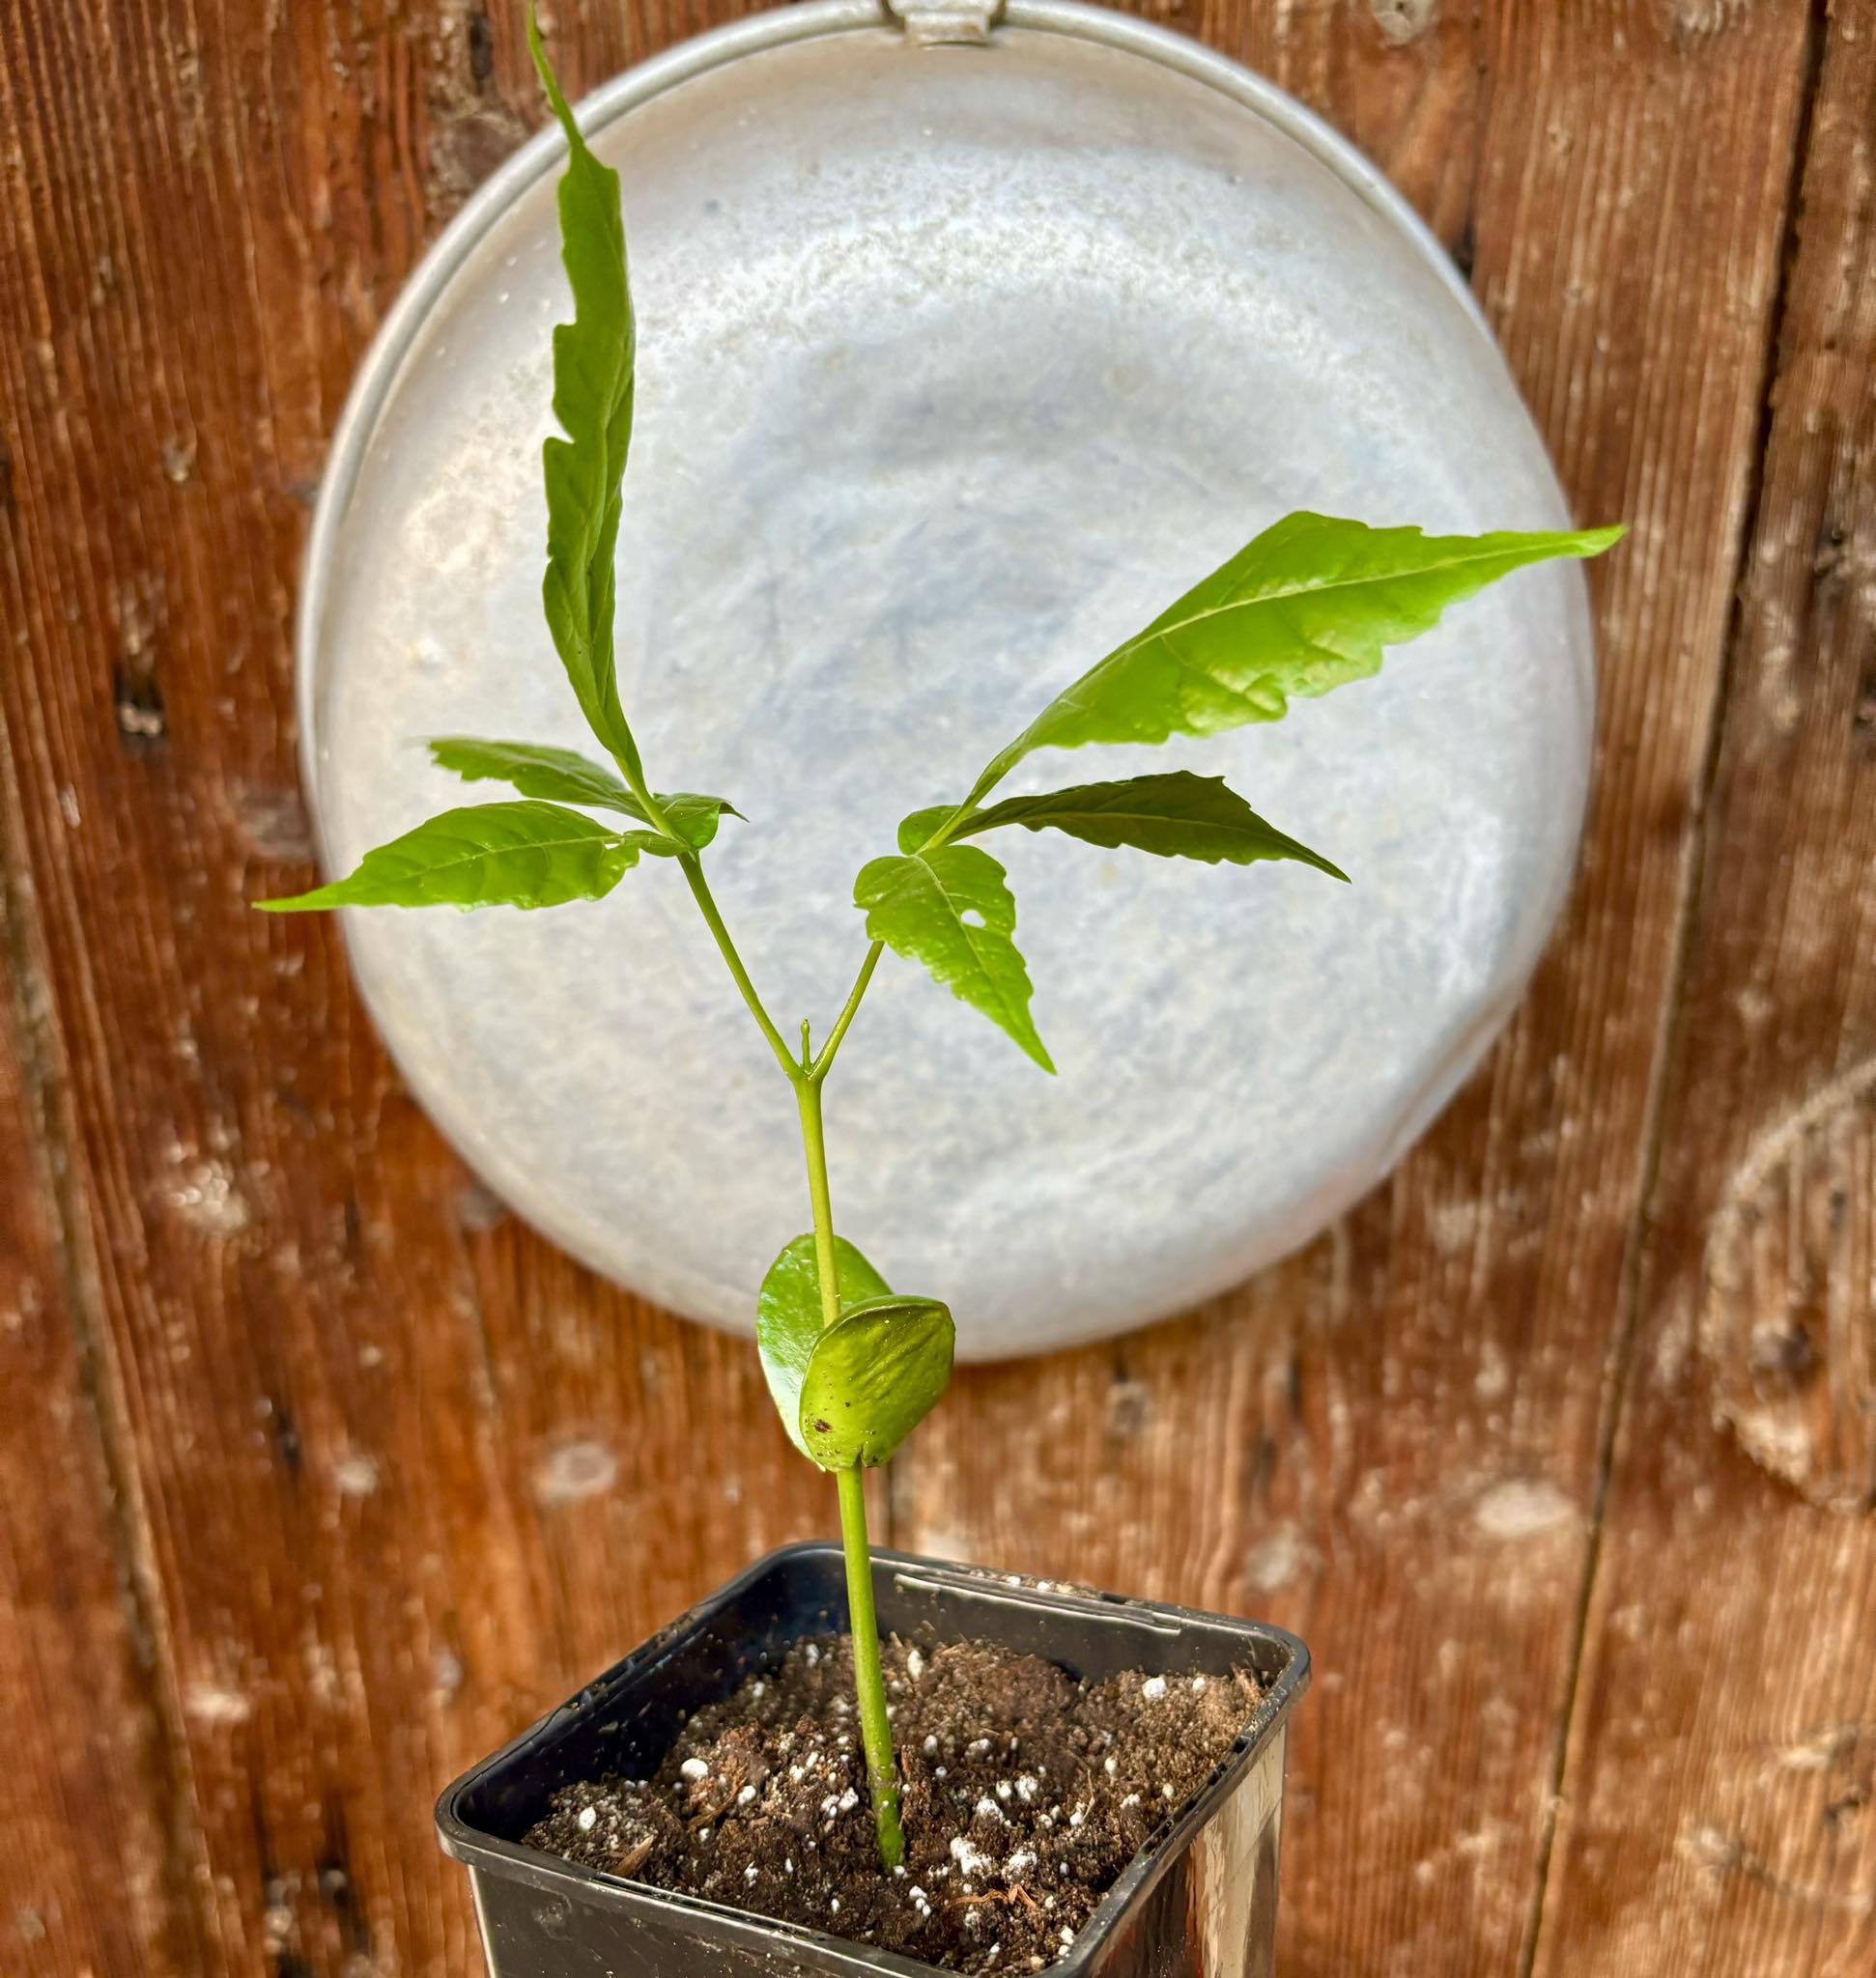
(396, 1475)
(84, 1751)
(1720, 1802)
(334, 1474)
(1393, 1443)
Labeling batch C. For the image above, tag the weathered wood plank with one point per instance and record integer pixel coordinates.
(84, 1754)
(1391, 1444)
(1720, 1802)
(397, 1476)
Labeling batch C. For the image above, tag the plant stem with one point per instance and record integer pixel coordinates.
(875, 1727)
(868, 1682)
(807, 1075)
(713, 919)
(808, 1100)
(818, 1070)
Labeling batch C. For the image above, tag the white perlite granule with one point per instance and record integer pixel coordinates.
(695, 1768)
(970, 1860)
(1154, 1688)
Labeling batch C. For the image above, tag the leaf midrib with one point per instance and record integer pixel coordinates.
(1017, 1015)
(1283, 591)
(601, 840)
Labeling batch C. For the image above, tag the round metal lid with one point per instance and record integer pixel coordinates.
(955, 365)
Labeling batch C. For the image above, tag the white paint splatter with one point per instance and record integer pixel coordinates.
(357, 1475)
(203, 1193)
(573, 1470)
(1273, 1561)
(209, 1702)
(1522, 1508)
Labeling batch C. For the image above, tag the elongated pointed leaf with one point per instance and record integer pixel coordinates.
(1310, 603)
(872, 1378)
(949, 910)
(1177, 815)
(789, 1318)
(594, 369)
(487, 855)
(562, 776)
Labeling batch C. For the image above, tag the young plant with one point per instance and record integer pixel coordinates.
(1308, 605)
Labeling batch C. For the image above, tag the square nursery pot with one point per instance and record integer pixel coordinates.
(1199, 1900)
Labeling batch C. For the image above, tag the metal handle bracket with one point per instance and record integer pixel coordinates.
(938, 23)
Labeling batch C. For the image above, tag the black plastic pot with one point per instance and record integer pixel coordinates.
(1199, 1901)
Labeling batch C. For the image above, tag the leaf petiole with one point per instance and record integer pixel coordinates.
(694, 878)
(820, 1067)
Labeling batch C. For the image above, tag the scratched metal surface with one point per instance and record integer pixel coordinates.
(934, 406)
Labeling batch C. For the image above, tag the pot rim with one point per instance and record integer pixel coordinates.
(724, 1922)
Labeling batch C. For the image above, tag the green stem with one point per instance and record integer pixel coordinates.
(813, 1141)
(868, 1681)
(686, 857)
(818, 1070)
(713, 919)
(807, 1075)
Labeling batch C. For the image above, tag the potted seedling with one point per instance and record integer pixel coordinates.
(1010, 1774)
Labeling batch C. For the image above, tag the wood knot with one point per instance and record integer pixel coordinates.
(1788, 1316)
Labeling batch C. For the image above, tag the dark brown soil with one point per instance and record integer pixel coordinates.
(1026, 1795)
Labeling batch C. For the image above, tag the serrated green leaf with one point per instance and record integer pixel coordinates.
(788, 1317)
(949, 910)
(486, 855)
(1310, 603)
(594, 369)
(563, 775)
(872, 1378)
(1177, 815)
